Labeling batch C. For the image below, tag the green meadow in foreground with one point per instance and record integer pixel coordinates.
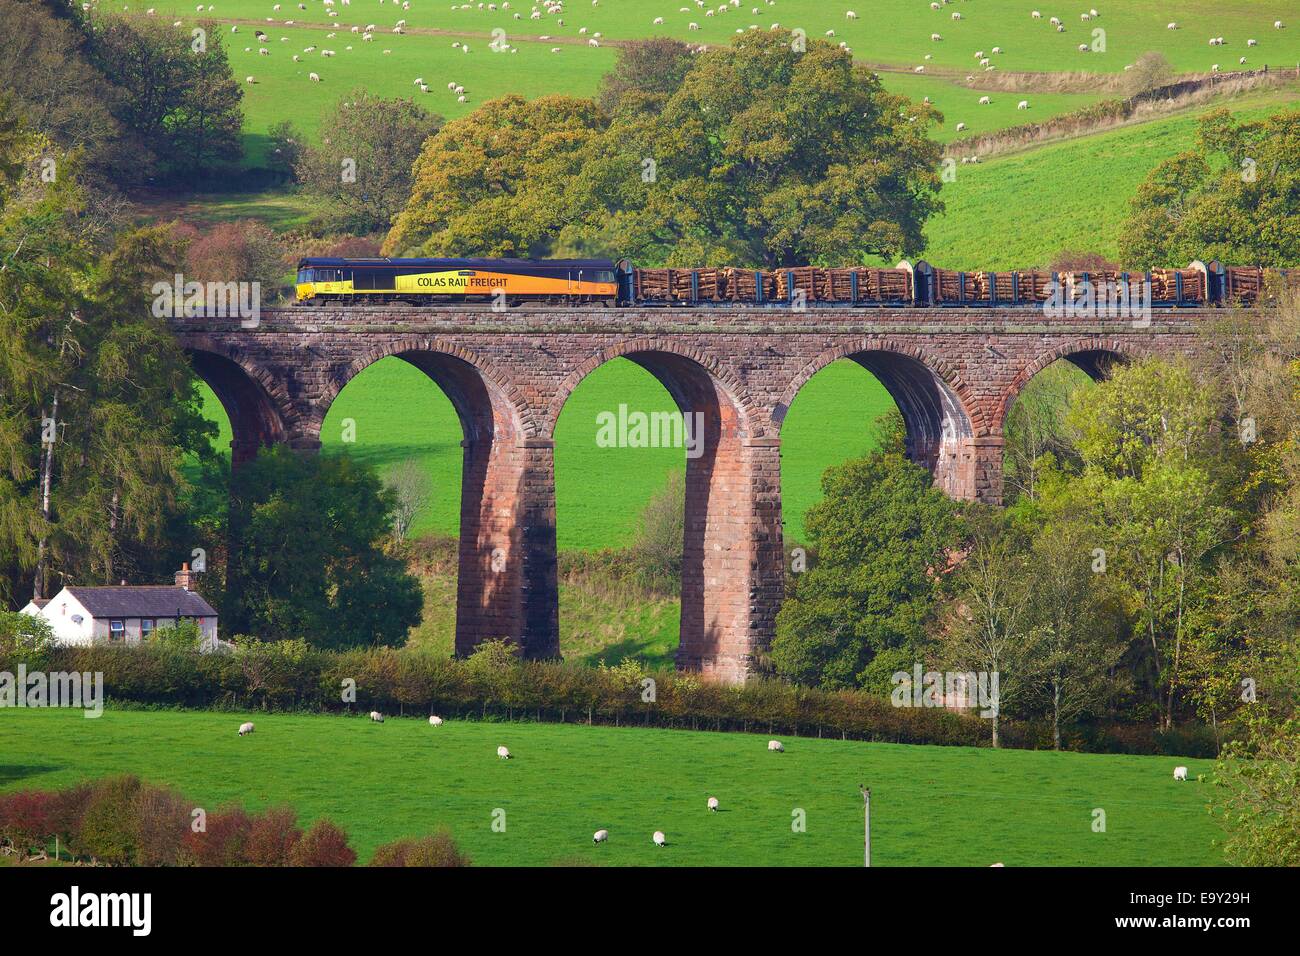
(929, 805)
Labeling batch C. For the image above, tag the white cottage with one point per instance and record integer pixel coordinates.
(124, 614)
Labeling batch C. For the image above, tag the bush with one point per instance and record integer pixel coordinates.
(25, 819)
(161, 819)
(324, 844)
(223, 841)
(438, 850)
(108, 830)
(272, 837)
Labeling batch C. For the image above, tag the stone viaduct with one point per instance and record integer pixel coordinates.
(953, 373)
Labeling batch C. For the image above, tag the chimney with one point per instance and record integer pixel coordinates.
(184, 577)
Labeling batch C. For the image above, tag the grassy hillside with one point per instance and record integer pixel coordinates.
(1019, 209)
(930, 805)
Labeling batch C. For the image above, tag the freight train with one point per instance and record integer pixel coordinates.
(603, 282)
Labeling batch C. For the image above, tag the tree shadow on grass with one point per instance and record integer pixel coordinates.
(12, 773)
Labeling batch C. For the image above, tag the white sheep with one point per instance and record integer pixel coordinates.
(935, 38)
(1083, 48)
(956, 16)
(1242, 60)
(1171, 26)
(435, 721)
(1180, 773)
(1055, 21)
(247, 728)
(249, 79)
(1036, 15)
(1023, 105)
(659, 838)
(375, 715)
(1277, 24)
(1252, 43)
(984, 101)
(503, 753)
(600, 836)
(850, 15)
(960, 127)
(997, 50)
(775, 745)
(713, 804)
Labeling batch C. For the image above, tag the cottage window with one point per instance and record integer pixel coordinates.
(146, 627)
(116, 630)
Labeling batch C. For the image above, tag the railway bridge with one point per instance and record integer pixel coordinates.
(953, 373)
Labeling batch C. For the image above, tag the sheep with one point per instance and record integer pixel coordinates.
(1252, 43)
(713, 804)
(1083, 48)
(1055, 21)
(960, 127)
(1180, 773)
(1084, 17)
(934, 6)
(956, 16)
(1036, 15)
(918, 69)
(658, 21)
(1214, 68)
(1277, 24)
(503, 753)
(1242, 60)
(985, 101)
(984, 62)
(435, 721)
(997, 50)
(1060, 28)
(850, 15)
(1094, 13)
(979, 54)
(1171, 25)
(600, 836)
(935, 38)
(1023, 105)
(375, 715)
(247, 728)
(775, 746)
(249, 79)
(659, 838)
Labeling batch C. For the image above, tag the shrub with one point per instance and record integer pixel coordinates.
(438, 850)
(25, 819)
(224, 839)
(324, 844)
(272, 837)
(161, 818)
(108, 830)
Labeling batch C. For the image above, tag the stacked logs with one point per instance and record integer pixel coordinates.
(742, 285)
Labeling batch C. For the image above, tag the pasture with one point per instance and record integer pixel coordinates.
(943, 806)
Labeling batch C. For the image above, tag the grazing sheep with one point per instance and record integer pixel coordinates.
(435, 721)
(918, 69)
(1023, 105)
(600, 836)
(249, 79)
(1172, 26)
(375, 715)
(1277, 24)
(1083, 48)
(659, 838)
(991, 865)
(713, 804)
(960, 127)
(1242, 60)
(849, 14)
(984, 101)
(776, 746)
(956, 16)
(1060, 28)
(1252, 43)
(1180, 773)
(247, 728)
(1036, 15)
(935, 38)
(503, 753)
(997, 50)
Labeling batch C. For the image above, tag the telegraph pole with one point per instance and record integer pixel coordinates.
(866, 835)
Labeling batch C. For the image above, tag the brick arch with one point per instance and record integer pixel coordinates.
(732, 388)
(497, 383)
(255, 401)
(943, 372)
(1093, 355)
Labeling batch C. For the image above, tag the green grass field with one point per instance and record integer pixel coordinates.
(400, 413)
(929, 806)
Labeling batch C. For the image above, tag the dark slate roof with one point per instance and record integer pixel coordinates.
(146, 601)
(41, 602)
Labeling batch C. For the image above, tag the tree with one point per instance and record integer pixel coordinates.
(361, 166)
(308, 562)
(1077, 622)
(1154, 469)
(1230, 198)
(987, 628)
(1035, 428)
(773, 151)
(206, 127)
(660, 533)
(243, 250)
(97, 402)
(408, 483)
(1149, 71)
(656, 66)
(493, 183)
(1257, 787)
(882, 534)
(285, 148)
